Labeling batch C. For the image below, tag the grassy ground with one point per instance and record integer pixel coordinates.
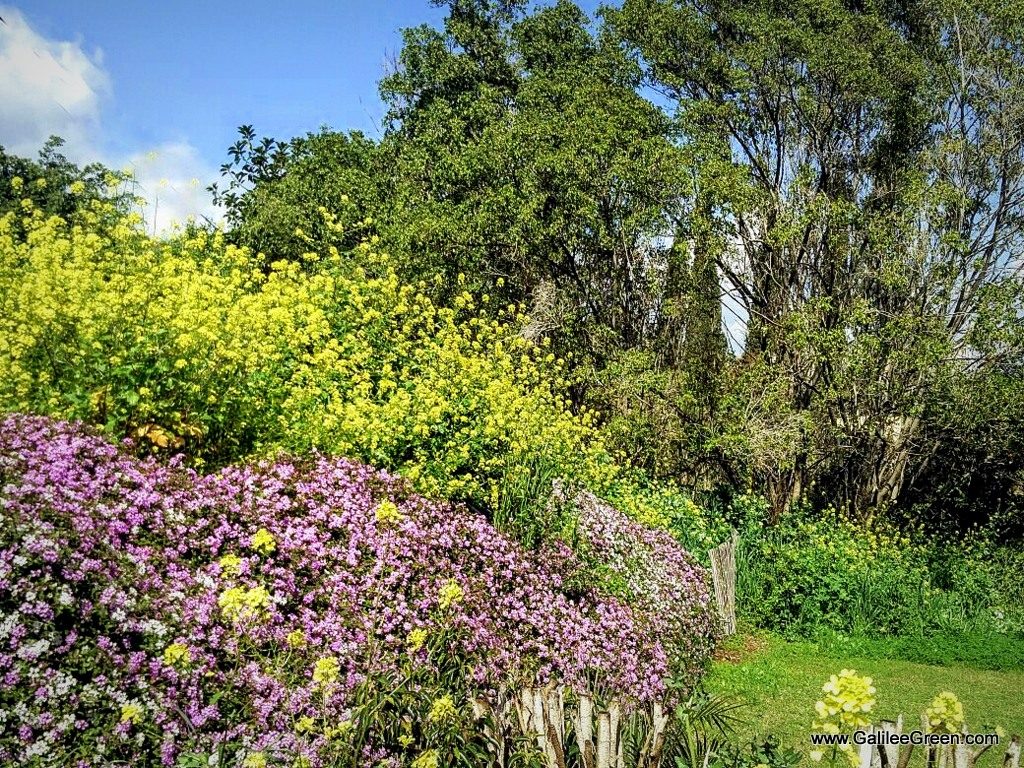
(781, 680)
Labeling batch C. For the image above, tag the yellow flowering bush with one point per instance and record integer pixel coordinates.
(189, 344)
(847, 700)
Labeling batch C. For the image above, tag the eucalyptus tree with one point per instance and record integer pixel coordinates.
(863, 166)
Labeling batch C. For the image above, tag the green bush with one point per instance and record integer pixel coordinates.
(816, 573)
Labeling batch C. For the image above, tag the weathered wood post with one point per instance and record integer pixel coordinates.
(723, 574)
(1012, 757)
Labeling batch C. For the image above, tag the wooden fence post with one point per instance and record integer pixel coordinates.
(1012, 757)
(723, 574)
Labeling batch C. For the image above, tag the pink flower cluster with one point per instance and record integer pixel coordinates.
(147, 610)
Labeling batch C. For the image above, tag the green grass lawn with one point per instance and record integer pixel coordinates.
(781, 680)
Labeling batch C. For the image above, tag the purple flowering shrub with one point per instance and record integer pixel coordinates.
(302, 612)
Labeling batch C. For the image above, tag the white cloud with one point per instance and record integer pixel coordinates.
(51, 87)
(173, 179)
(46, 87)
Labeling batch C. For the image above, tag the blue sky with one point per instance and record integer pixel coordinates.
(162, 87)
(195, 71)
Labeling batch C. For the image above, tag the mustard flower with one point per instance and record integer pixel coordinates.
(428, 759)
(131, 713)
(416, 639)
(946, 713)
(230, 564)
(387, 513)
(238, 602)
(442, 710)
(847, 700)
(263, 541)
(326, 671)
(450, 594)
(177, 654)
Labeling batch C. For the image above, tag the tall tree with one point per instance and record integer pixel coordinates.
(870, 199)
(523, 152)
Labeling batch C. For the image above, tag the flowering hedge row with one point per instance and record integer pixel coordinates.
(301, 612)
(190, 345)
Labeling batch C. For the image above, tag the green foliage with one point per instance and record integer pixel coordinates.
(277, 193)
(981, 650)
(857, 170)
(812, 574)
(55, 185)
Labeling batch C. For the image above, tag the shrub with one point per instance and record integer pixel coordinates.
(310, 610)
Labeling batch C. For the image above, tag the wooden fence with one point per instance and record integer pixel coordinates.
(944, 756)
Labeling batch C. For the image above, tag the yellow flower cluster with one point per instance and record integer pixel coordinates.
(177, 655)
(428, 759)
(848, 699)
(388, 513)
(255, 760)
(339, 731)
(326, 671)
(442, 710)
(241, 603)
(295, 639)
(416, 639)
(170, 340)
(450, 594)
(230, 564)
(131, 713)
(263, 542)
(945, 714)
